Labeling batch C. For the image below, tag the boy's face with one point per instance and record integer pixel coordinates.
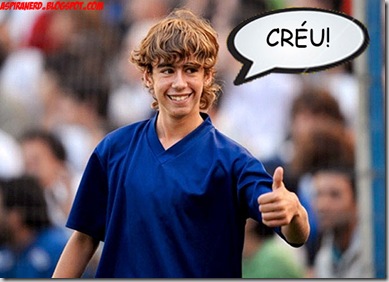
(177, 87)
(334, 202)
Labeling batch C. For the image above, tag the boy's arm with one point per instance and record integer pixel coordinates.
(75, 256)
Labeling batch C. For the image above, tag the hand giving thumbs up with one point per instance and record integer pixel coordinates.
(279, 206)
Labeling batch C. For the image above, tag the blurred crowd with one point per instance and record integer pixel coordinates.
(66, 81)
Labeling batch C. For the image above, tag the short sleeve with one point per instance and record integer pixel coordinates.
(88, 212)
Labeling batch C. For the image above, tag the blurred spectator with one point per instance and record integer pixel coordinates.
(241, 112)
(314, 111)
(243, 116)
(5, 40)
(327, 143)
(266, 256)
(20, 24)
(11, 159)
(310, 108)
(335, 203)
(339, 81)
(31, 246)
(75, 93)
(52, 30)
(224, 15)
(219, 12)
(318, 134)
(248, 9)
(19, 91)
(337, 5)
(45, 158)
(137, 11)
(129, 100)
(20, 68)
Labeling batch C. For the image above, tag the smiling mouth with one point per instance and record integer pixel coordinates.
(179, 98)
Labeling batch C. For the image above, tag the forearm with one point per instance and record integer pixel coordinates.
(297, 231)
(75, 256)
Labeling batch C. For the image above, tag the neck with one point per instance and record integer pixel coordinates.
(172, 130)
(343, 236)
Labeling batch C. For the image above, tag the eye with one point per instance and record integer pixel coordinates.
(167, 70)
(335, 194)
(191, 69)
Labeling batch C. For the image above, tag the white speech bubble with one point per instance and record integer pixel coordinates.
(295, 40)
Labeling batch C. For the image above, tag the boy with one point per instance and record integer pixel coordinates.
(170, 196)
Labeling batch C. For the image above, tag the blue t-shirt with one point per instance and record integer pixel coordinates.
(38, 260)
(161, 213)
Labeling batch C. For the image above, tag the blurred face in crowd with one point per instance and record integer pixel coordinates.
(40, 161)
(334, 200)
(305, 121)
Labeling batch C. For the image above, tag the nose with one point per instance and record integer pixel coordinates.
(322, 203)
(179, 81)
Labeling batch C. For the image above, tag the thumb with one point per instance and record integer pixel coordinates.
(278, 177)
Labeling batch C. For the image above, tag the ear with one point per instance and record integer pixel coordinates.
(147, 78)
(208, 78)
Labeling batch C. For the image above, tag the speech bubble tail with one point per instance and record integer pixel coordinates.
(249, 72)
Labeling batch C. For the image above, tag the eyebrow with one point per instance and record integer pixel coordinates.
(190, 64)
(163, 65)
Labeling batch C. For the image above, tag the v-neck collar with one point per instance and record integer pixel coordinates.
(164, 155)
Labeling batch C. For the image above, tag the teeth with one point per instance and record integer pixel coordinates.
(178, 98)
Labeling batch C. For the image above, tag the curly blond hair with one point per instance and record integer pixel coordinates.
(181, 35)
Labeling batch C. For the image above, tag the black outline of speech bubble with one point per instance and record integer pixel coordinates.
(241, 77)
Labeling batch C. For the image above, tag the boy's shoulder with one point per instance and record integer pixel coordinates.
(126, 130)
(122, 136)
